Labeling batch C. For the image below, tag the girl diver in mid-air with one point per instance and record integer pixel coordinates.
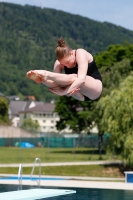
(81, 80)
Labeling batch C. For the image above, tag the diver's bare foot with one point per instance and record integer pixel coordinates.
(33, 75)
(43, 74)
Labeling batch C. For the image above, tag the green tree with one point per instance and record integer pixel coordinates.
(75, 114)
(4, 119)
(113, 75)
(116, 110)
(30, 125)
(79, 116)
(128, 150)
(114, 53)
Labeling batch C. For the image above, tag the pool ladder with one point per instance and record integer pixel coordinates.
(20, 174)
(39, 180)
(20, 177)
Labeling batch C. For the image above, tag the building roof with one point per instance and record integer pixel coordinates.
(17, 106)
(46, 108)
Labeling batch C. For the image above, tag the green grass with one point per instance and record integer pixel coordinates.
(81, 170)
(10, 155)
(17, 155)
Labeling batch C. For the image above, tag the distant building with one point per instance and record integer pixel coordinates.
(16, 106)
(32, 98)
(43, 114)
(13, 97)
(38, 111)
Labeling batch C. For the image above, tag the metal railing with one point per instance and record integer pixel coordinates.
(39, 179)
(20, 177)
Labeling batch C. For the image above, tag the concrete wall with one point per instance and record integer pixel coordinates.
(13, 132)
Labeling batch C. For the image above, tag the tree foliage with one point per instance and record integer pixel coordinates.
(117, 117)
(75, 114)
(4, 120)
(30, 125)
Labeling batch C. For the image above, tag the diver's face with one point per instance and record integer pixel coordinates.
(68, 61)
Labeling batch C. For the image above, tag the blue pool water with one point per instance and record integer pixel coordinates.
(81, 193)
(28, 178)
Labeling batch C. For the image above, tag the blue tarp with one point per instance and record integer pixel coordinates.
(26, 145)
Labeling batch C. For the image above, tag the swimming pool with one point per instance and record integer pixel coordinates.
(28, 178)
(82, 193)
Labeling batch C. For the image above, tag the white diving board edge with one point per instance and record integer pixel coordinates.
(34, 194)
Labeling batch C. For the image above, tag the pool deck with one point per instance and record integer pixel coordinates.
(75, 182)
(72, 181)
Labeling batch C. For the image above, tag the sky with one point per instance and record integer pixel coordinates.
(118, 12)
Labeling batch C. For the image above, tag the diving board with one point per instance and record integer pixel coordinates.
(34, 194)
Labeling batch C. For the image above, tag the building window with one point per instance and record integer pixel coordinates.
(48, 115)
(25, 115)
(52, 121)
(51, 127)
(44, 121)
(44, 127)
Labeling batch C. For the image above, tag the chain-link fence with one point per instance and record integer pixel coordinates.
(87, 141)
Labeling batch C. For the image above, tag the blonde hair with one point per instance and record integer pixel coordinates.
(62, 49)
